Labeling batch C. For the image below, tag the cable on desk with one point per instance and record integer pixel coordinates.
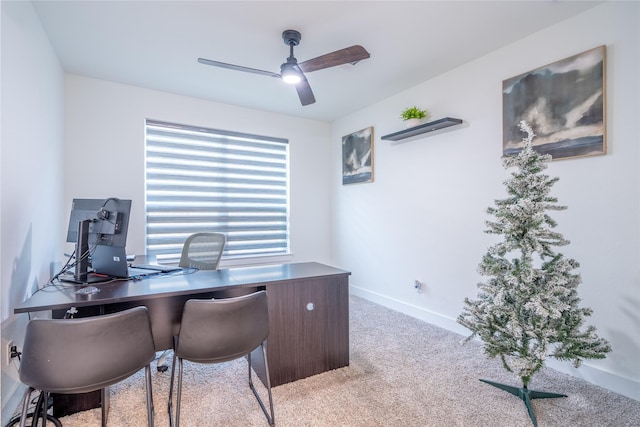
(160, 275)
(56, 285)
(69, 265)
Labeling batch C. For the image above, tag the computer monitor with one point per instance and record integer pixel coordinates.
(96, 222)
(108, 220)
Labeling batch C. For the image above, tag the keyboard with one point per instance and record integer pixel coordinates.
(157, 267)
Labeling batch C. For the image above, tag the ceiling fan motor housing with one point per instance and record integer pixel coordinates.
(291, 37)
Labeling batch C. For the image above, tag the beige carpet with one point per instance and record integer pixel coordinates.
(403, 372)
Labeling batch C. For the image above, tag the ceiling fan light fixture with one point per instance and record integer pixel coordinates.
(290, 74)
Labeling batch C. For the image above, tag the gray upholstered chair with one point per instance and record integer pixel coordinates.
(81, 355)
(220, 330)
(203, 251)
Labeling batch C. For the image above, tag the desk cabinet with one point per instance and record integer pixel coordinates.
(309, 328)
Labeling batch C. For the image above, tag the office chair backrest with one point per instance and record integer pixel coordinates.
(219, 330)
(86, 354)
(203, 251)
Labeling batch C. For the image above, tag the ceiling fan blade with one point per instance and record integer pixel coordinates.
(237, 67)
(304, 91)
(343, 56)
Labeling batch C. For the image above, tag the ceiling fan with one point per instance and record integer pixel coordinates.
(292, 72)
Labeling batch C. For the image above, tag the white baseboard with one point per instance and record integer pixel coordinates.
(428, 316)
(599, 377)
(589, 373)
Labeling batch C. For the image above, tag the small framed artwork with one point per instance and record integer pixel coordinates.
(563, 102)
(357, 157)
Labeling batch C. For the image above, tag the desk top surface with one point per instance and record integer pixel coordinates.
(62, 295)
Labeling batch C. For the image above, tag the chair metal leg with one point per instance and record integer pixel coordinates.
(104, 406)
(40, 410)
(270, 415)
(25, 406)
(43, 405)
(179, 397)
(149, 390)
(173, 372)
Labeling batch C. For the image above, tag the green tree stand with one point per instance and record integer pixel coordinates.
(526, 395)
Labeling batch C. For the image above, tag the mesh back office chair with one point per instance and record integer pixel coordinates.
(71, 356)
(220, 330)
(203, 251)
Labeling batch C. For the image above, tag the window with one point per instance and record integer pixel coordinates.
(201, 179)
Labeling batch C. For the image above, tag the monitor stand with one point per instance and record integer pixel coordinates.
(91, 278)
(84, 288)
(81, 275)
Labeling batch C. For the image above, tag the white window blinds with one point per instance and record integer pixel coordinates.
(201, 180)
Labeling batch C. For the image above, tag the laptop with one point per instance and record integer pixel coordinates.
(112, 261)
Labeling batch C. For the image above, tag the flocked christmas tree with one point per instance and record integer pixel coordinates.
(528, 308)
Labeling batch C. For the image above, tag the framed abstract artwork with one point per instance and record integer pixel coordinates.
(563, 102)
(357, 157)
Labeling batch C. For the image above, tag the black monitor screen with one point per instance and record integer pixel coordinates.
(109, 220)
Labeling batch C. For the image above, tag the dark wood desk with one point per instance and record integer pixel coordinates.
(308, 310)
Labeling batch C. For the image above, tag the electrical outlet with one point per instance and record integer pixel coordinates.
(7, 351)
(418, 285)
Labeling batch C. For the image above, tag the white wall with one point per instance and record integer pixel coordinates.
(104, 153)
(423, 217)
(30, 170)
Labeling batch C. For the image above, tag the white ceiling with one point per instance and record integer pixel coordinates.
(155, 44)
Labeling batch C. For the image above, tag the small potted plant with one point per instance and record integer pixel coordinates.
(413, 116)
